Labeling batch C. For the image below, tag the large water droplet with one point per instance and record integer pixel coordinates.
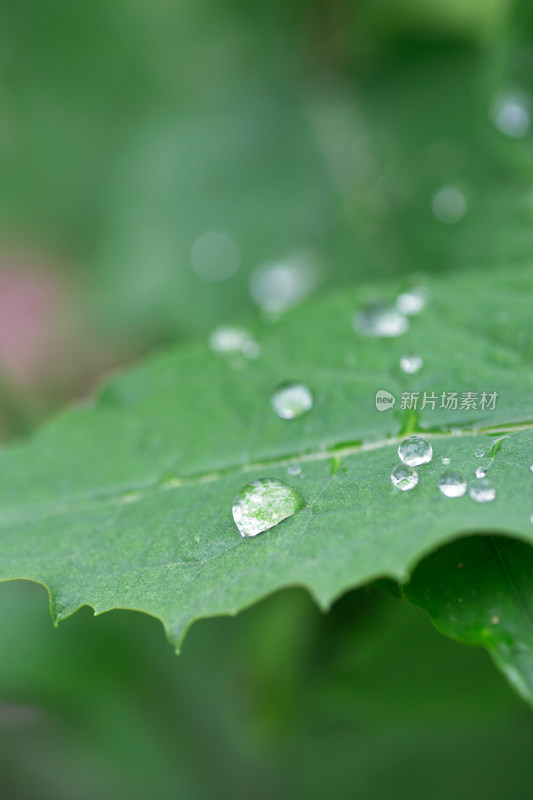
(264, 503)
(482, 491)
(413, 301)
(411, 364)
(404, 477)
(215, 257)
(380, 320)
(292, 400)
(279, 285)
(452, 484)
(511, 114)
(229, 340)
(449, 205)
(415, 451)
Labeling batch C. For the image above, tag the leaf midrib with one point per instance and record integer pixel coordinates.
(335, 453)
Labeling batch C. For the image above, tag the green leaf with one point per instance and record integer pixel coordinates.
(128, 503)
(478, 590)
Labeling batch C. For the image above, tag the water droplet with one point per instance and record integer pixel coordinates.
(215, 257)
(531, 518)
(449, 205)
(294, 469)
(264, 503)
(250, 349)
(452, 484)
(481, 472)
(481, 491)
(411, 364)
(531, 468)
(226, 339)
(511, 114)
(413, 301)
(404, 477)
(479, 453)
(277, 286)
(380, 320)
(292, 400)
(446, 461)
(415, 451)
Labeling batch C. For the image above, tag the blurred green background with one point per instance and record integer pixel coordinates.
(305, 132)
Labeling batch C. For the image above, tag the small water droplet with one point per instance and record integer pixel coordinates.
(449, 205)
(413, 301)
(446, 461)
(380, 320)
(215, 257)
(228, 340)
(277, 286)
(250, 349)
(411, 364)
(415, 451)
(404, 477)
(264, 503)
(294, 469)
(481, 491)
(452, 484)
(292, 400)
(511, 114)
(481, 472)
(479, 453)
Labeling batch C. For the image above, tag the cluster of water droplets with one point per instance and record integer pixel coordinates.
(415, 451)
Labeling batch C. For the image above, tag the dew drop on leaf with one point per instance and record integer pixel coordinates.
(481, 472)
(452, 484)
(294, 469)
(277, 286)
(411, 364)
(415, 450)
(479, 453)
(482, 491)
(292, 400)
(413, 301)
(404, 477)
(228, 340)
(264, 503)
(446, 461)
(380, 320)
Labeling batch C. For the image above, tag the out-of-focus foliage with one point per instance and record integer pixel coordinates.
(280, 701)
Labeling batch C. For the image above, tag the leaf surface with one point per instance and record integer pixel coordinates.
(128, 503)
